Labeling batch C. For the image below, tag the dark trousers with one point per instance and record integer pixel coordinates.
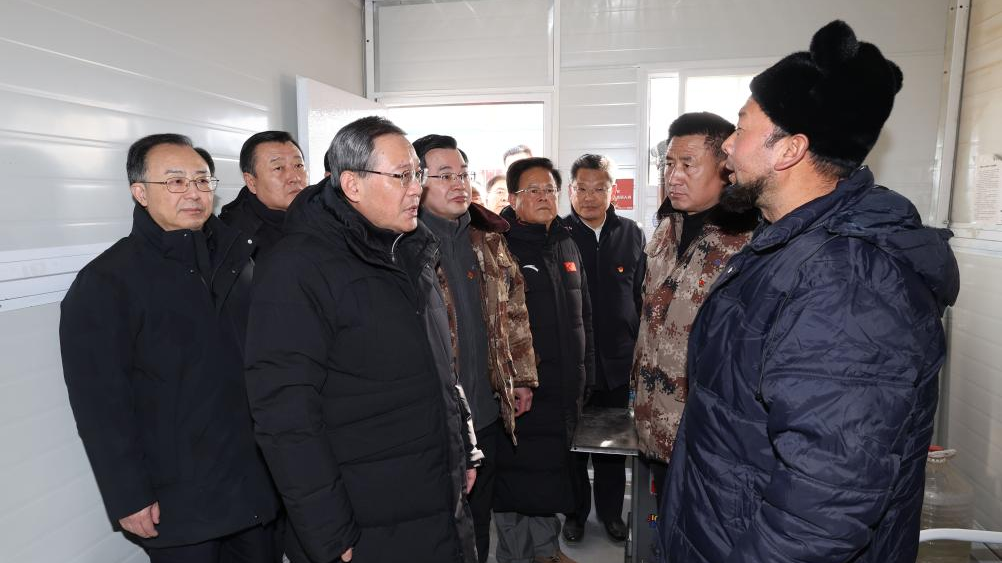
(253, 545)
(482, 495)
(610, 470)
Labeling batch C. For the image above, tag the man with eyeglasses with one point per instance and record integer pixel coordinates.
(349, 369)
(151, 336)
(274, 173)
(612, 249)
(534, 478)
(495, 359)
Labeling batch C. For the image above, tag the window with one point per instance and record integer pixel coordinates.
(483, 130)
(670, 94)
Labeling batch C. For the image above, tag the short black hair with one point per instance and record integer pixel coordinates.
(135, 162)
(247, 151)
(715, 128)
(327, 161)
(353, 145)
(428, 143)
(208, 160)
(593, 162)
(516, 150)
(519, 167)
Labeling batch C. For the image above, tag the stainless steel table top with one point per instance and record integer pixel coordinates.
(606, 431)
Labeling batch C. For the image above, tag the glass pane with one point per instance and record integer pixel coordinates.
(662, 109)
(483, 131)
(722, 95)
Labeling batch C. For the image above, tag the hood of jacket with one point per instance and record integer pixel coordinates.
(861, 209)
(321, 210)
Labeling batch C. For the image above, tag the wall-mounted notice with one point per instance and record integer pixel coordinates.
(622, 194)
(988, 190)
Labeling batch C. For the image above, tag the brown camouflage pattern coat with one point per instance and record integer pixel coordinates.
(674, 289)
(511, 360)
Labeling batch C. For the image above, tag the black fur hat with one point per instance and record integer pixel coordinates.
(838, 94)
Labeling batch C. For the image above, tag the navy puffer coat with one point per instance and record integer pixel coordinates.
(813, 370)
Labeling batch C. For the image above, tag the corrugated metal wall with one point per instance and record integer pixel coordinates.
(80, 81)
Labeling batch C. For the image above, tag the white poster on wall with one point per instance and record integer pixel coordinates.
(988, 190)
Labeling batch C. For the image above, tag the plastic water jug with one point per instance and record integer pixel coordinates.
(948, 503)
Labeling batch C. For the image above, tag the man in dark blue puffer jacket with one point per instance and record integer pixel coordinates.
(813, 365)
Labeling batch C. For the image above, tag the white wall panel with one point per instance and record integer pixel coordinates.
(501, 44)
(629, 32)
(973, 422)
(628, 36)
(600, 113)
(80, 82)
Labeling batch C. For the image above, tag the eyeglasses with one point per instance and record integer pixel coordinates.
(406, 177)
(179, 184)
(599, 190)
(548, 190)
(450, 177)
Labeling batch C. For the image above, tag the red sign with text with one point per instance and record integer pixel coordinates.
(622, 193)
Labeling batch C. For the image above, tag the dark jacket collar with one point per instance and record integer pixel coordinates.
(178, 244)
(729, 222)
(322, 210)
(273, 216)
(486, 220)
(533, 232)
(812, 213)
(611, 219)
(444, 228)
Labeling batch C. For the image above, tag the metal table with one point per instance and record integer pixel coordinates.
(605, 430)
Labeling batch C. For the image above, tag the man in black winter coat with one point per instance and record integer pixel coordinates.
(274, 174)
(349, 367)
(612, 249)
(151, 335)
(534, 479)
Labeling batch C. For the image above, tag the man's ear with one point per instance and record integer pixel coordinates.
(723, 172)
(251, 182)
(139, 193)
(792, 151)
(351, 185)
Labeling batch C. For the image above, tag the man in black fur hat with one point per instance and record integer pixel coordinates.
(814, 361)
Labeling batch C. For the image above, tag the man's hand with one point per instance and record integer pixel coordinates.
(523, 400)
(346, 556)
(471, 477)
(143, 522)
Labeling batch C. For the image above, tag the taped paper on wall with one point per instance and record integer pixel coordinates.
(988, 190)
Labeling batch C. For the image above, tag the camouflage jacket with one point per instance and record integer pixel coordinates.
(674, 288)
(511, 359)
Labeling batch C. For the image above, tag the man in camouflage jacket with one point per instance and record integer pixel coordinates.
(687, 252)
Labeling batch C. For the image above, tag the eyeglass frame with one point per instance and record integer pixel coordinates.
(420, 176)
(470, 176)
(554, 190)
(606, 188)
(213, 183)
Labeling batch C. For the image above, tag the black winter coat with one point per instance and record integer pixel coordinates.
(614, 265)
(535, 476)
(813, 379)
(354, 415)
(254, 219)
(152, 361)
